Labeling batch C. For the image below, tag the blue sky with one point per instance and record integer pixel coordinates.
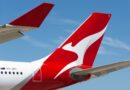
(66, 16)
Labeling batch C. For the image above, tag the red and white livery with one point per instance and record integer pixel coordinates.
(70, 63)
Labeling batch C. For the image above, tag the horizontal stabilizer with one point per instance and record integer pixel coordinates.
(10, 36)
(9, 32)
(100, 71)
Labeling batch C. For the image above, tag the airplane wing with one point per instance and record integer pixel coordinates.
(99, 71)
(30, 20)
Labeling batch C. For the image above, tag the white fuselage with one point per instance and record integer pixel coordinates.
(13, 75)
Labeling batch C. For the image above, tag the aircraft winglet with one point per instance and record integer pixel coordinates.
(35, 17)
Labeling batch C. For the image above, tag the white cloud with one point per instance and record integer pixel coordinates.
(116, 43)
(60, 20)
(69, 31)
(69, 21)
(36, 42)
(104, 51)
(59, 40)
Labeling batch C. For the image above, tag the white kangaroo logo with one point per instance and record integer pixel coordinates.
(80, 49)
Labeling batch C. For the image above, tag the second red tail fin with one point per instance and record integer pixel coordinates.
(35, 17)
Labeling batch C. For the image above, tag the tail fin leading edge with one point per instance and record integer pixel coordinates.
(34, 17)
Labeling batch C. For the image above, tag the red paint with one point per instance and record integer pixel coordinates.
(35, 17)
(91, 53)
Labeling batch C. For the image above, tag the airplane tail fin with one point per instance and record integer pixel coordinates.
(80, 49)
(35, 17)
(86, 40)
